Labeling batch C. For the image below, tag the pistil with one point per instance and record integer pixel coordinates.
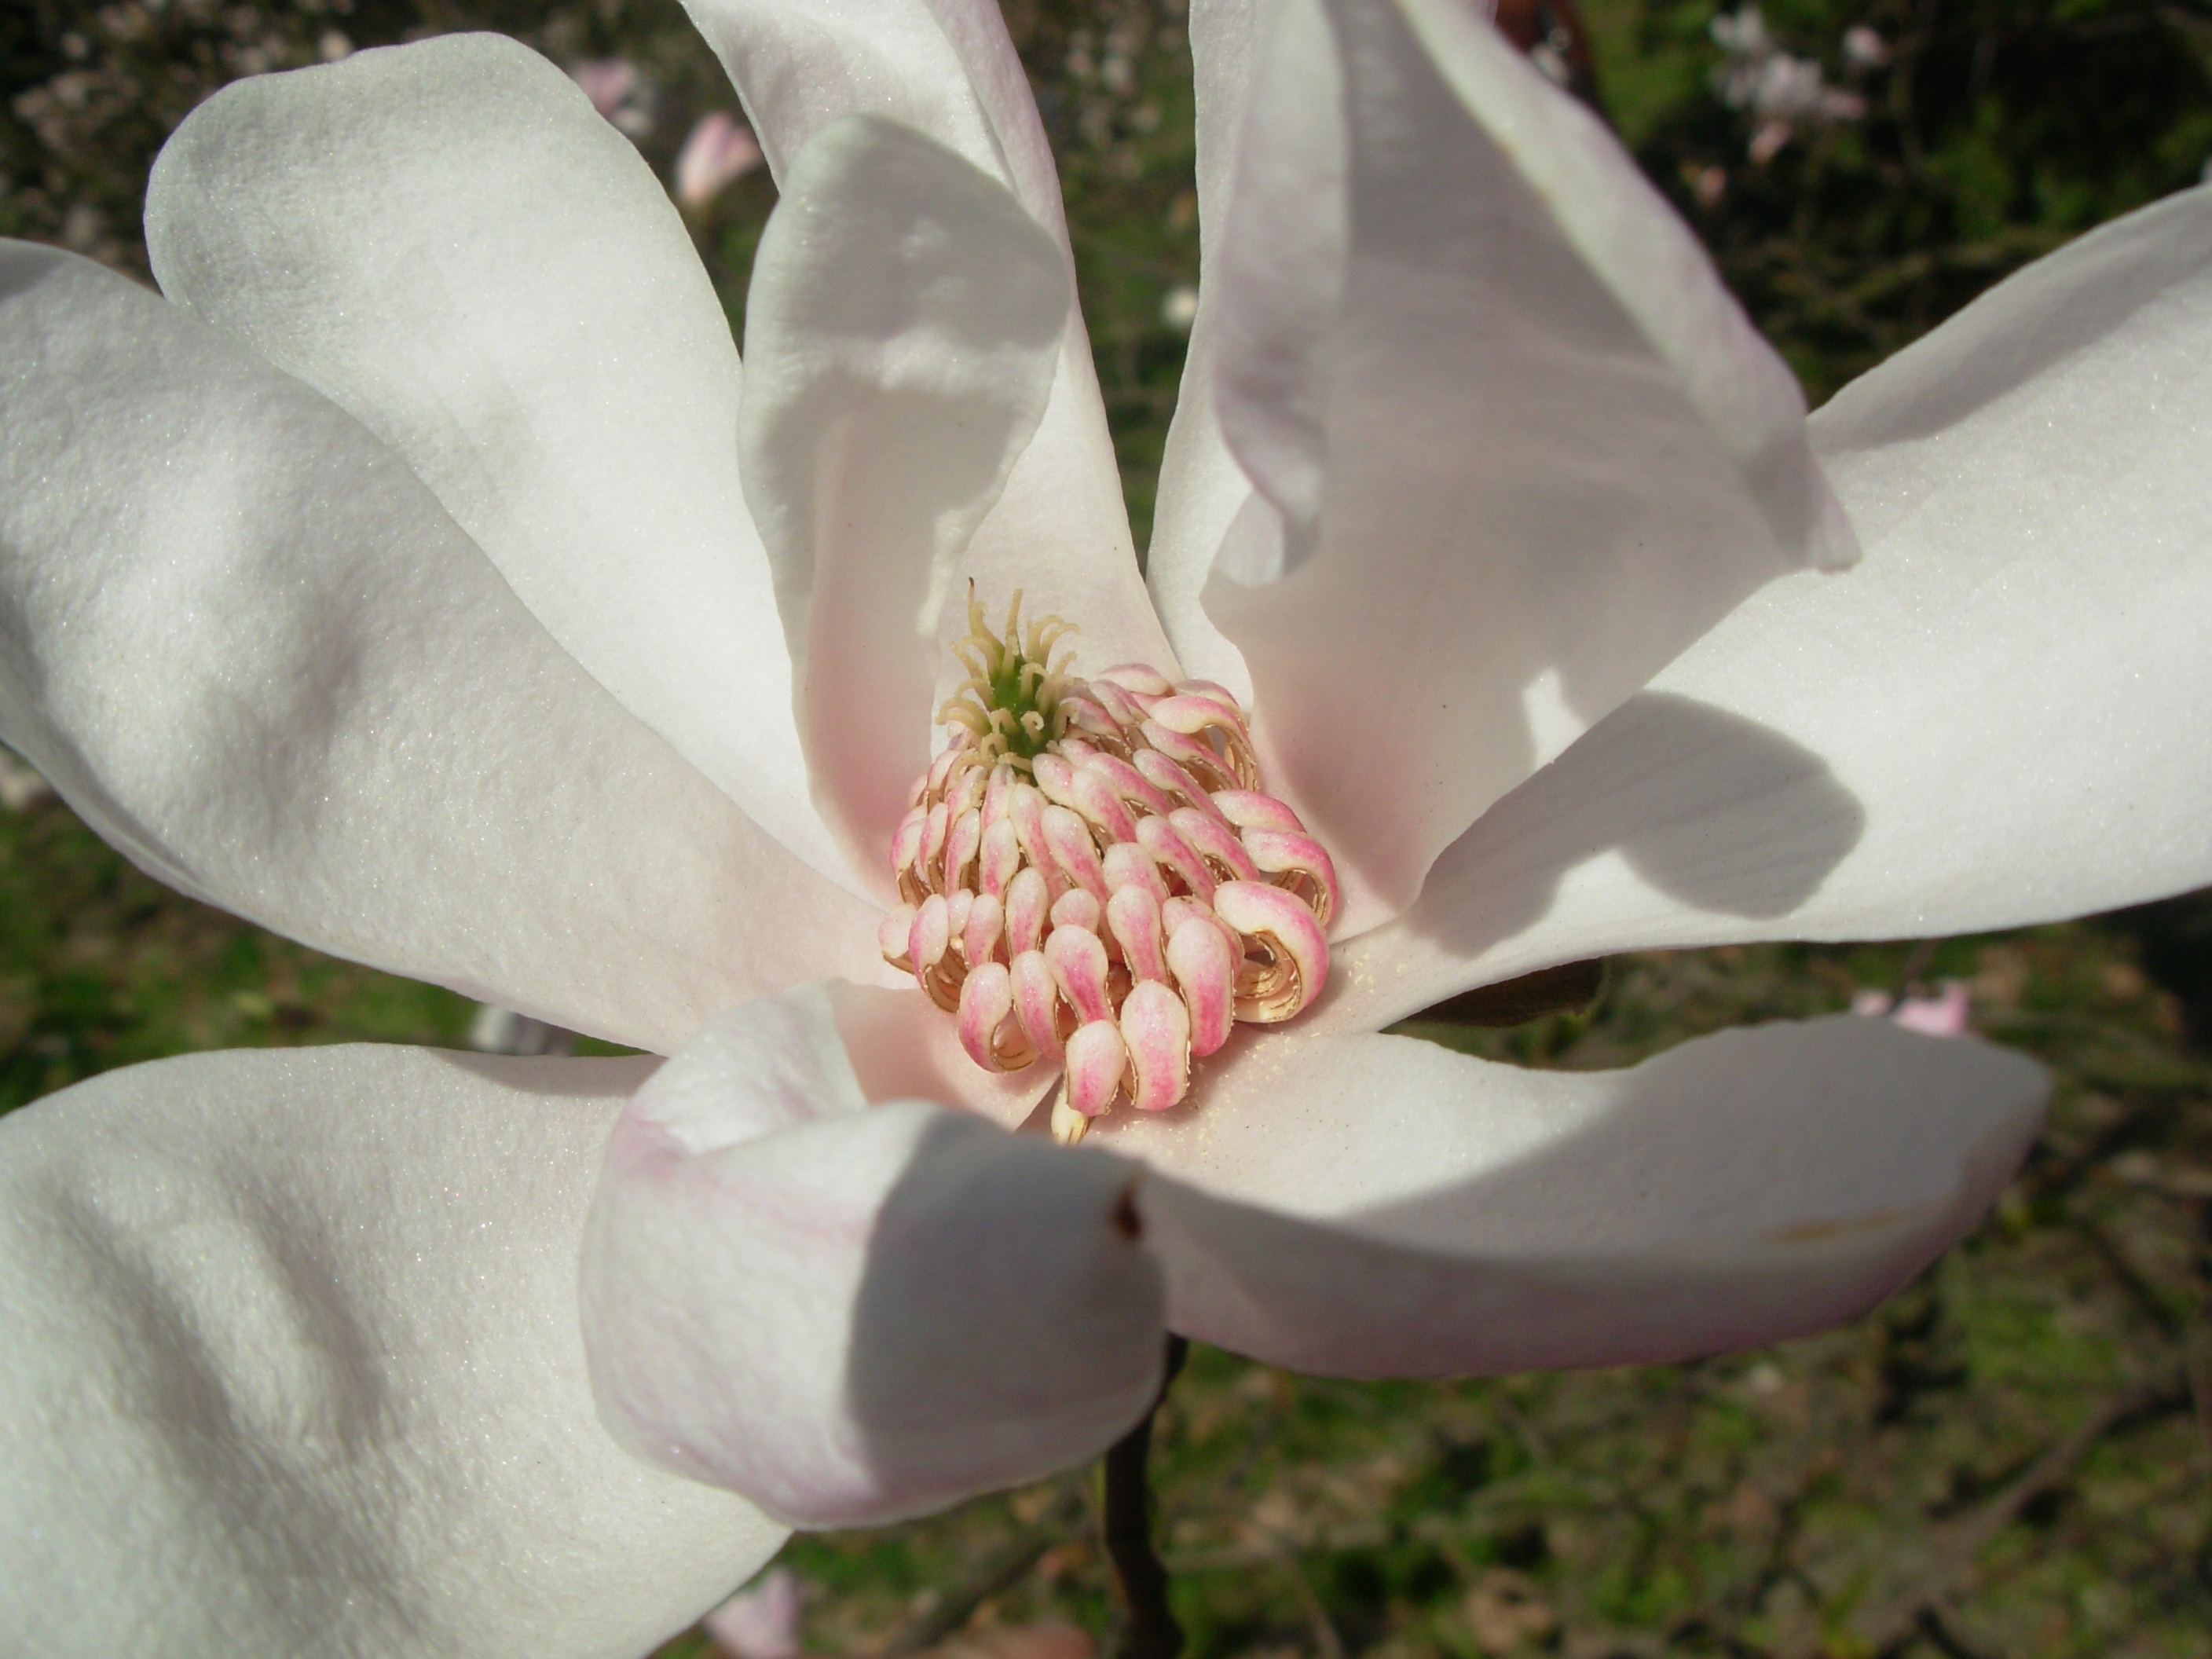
(1090, 873)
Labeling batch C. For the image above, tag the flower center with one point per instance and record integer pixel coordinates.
(1090, 874)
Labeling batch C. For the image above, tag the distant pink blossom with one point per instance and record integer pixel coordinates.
(719, 151)
(619, 92)
(762, 1620)
(1944, 1015)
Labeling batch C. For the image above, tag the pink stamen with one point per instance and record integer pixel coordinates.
(1223, 853)
(1140, 677)
(1204, 965)
(1108, 888)
(1129, 864)
(1156, 1030)
(1068, 840)
(1132, 915)
(1029, 908)
(978, 940)
(1300, 865)
(1078, 961)
(1095, 1061)
(1037, 1002)
(962, 843)
(1291, 963)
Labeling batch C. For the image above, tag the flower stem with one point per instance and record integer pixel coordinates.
(1152, 1633)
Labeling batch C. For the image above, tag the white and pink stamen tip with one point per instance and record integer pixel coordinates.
(1090, 873)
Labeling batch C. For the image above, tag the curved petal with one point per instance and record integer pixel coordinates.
(293, 1366)
(1996, 720)
(246, 644)
(1203, 492)
(946, 69)
(1379, 1207)
(446, 241)
(1523, 445)
(854, 1314)
(904, 326)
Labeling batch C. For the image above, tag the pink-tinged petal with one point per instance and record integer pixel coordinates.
(852, 1315)
(292, 1361)
(1855, 758)
(449, 243)
(1205, 965)
(1156, 1029)
(903, 1048)
(901, 334)
(717, 152)
(249, 647)
(1380, 1206)
(1522, 445)
(1097, 1058)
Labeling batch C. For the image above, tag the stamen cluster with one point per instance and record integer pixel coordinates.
(1090, 874)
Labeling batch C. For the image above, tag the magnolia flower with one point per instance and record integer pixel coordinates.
(423, 577)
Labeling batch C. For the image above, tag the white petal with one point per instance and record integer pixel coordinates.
(904, 326)
(1203, 492)
(1999, 718)
(250, 648)
(446, 241)
(1380, 1206)
(946, 69)
(292, 1365)
(1524, 446)
(852, 1315)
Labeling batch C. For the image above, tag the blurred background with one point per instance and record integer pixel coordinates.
(2013, 1458)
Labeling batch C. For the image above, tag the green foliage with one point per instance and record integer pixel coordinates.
(1995, 131)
